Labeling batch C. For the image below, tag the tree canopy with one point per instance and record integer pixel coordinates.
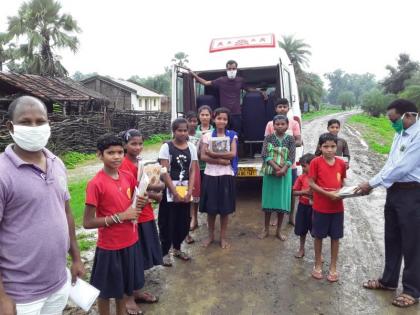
(38, 30)
(395, 81)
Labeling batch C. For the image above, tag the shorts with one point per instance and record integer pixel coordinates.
(303, 221)
(51, 305)
(327, 224)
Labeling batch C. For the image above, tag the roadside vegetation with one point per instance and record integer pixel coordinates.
(324, 110)
(376, 131)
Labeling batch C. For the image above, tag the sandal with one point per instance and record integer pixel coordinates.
(181, 255)
(189, 239)
(404, 300)
(332, 276)
(317, 274)
(146, 297)
(376, 284)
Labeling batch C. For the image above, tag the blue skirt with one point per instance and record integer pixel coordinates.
(150, 244)
(117, 272)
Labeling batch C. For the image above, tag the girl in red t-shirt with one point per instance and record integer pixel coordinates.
(147, 230)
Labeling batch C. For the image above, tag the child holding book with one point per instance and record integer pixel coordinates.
(148, 235)
(333, 127)
(194, 138)
(218, 190)
(278, 154)
(180, 157)
(117, 268)
(326, 177)
(304, 211)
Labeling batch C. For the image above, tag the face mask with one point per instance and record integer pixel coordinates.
(398, 125)
(31, 139)
(231, 74)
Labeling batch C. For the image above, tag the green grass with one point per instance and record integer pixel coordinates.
(85, 241)
(158, 138)
(72, 159)
(377, 132)
(77, 201)
(322, 112)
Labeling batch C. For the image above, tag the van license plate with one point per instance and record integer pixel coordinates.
(247, 172)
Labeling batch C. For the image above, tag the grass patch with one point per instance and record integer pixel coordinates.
(72, 159)
(377, 132)
(77, 201)
(86, 242)
(158, 138)
(322, 112)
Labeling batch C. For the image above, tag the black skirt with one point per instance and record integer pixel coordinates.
(150, 244)
(117, 272)
(218, 195)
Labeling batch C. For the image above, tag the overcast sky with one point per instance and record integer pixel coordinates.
(130, 37)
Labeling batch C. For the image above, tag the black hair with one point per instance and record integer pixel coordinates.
(402, 106)
(282, 101)
(20, 100)
(280, 117)
(205, 107)
(326, 137)
(222, 110)
(333, 121)
(177, 122)
(191, 114)
(306, 159)
(127, 135)
(107, 140)
(231, 62)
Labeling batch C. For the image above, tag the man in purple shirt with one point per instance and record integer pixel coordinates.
(230, 87)
(36, 225)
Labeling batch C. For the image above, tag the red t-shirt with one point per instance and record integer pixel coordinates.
(329, 178)
(110, 196)
(302, 183)
(146, 214)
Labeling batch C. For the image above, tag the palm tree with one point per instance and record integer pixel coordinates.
(180, 59)
(297, 51)
(45, 29)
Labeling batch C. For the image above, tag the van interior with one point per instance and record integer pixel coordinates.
(256, 111)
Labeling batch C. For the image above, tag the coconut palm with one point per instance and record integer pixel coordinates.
(44, 28)
(297, 51)
(180, 59)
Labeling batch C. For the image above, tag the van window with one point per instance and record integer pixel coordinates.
(286, 85)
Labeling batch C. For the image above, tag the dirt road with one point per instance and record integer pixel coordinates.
(263, 277)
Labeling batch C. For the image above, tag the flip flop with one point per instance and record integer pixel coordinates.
(317, 274)
(332, 276)
(298, 256)
(375, 284)
(152, 298)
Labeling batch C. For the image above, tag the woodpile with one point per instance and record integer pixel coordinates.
(79, 133)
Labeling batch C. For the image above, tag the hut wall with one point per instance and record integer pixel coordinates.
(120, 99)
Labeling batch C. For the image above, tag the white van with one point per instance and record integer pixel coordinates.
(263, 65)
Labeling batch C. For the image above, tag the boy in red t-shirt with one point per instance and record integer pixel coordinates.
(304, 211)
(326, 177)
(117, 269)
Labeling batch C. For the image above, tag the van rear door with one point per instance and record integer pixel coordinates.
(183, 92)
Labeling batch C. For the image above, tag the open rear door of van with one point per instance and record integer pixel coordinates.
(183, 92)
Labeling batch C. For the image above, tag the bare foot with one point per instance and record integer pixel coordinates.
(273, 222)
(224, 244)
(300, 254)
(131, 306)
(280, 236)
(263, 234)
(207, 242)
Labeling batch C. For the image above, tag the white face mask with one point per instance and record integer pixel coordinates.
(231, 74)
(31, 139)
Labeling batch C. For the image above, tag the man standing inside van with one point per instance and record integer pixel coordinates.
(229, 87)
